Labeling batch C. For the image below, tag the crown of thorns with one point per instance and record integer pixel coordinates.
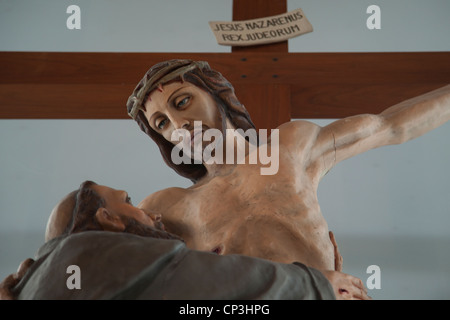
(162, 76)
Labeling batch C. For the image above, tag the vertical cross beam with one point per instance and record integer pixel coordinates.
(253, 9)
(269, 104)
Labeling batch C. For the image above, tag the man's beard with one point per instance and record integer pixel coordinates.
(137, 228)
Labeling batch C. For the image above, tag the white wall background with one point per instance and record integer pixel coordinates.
(388, 207)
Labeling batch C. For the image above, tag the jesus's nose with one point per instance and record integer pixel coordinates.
(180, 122)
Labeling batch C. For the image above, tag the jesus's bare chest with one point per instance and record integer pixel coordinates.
(238, 198)
(275, 217)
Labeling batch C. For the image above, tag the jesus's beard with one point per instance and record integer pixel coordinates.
(137, 228)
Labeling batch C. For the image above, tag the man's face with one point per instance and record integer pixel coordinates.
(119, 204)
(177, 105)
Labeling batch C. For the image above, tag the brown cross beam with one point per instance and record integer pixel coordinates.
(273, 84)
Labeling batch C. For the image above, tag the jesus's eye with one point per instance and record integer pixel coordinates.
(183, 102)
(161, 124)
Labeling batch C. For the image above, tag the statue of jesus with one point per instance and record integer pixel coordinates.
(232, 207)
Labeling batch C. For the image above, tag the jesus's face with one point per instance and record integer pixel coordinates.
(177, 105)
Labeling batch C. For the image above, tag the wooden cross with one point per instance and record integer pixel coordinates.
(273, 84)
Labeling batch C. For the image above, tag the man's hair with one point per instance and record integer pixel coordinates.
(201, 75)
(87, 202)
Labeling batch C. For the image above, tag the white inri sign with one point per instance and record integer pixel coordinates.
(262, 30)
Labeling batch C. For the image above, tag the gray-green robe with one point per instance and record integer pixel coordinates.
(126, 266)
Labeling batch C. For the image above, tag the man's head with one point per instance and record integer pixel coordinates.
(61, 216)
(97, 207)
(198, 75)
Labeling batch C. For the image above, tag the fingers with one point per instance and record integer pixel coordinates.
(333, 240)
(352, 294)
(345, 286)
(358, 283)
(23, 268)
(338, 261)
(360, 291)
(5, 287)
(9, 281)
(353, 289)
(360, 294)
(13, 279)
